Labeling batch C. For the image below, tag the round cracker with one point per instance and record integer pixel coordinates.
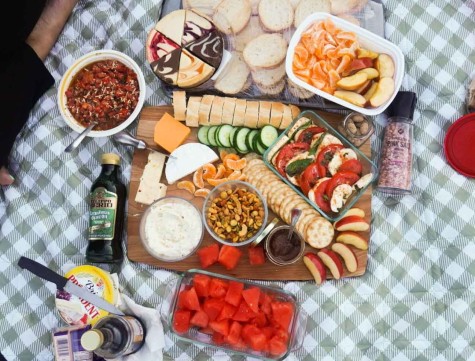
(285, 212)
(319, 233)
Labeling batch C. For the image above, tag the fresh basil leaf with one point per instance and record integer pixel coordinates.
(297, 167)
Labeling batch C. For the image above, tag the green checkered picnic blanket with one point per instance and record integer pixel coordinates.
(416, 300)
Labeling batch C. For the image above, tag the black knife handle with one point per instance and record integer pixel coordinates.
(42, 271)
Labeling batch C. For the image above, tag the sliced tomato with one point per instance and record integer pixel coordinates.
(321, 199)
(208, 255)
(229, 256)
(190, 300)
(306, 136)
(227, 312)
(343, 177)
(351, 165)
(234, 334)
(233, 296)
(325, 156)
(213, 307)
(282, 313)
(309, 177)
(256, 256)
(218, 288)
(181, 321)
(200, 319)
(221, 327)
(201, 284)
(243, 313)
(287, 152)
(251, 296)
(277, 347)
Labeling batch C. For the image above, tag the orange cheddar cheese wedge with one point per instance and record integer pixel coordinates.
(169, 133)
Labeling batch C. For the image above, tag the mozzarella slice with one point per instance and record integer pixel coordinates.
(329, 139)
(340, 195)
(363, 181)
(340, 157)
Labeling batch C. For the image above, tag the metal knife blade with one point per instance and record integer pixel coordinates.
(64, 284)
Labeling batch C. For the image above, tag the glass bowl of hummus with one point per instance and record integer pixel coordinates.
(171, 229)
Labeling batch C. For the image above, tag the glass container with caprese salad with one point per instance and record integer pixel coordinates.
(321, 165)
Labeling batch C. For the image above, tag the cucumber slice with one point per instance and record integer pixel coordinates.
(240, 140)
(268, 135)
(216, 139)
(224, 134)
(212, 135)
(232, 135)
(203, 135)
(257, 146)
(250, 139)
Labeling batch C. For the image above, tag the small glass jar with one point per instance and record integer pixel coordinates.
(282, 252)
(357, 128)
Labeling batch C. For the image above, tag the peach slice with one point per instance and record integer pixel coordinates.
(351, 223)
(349, 257)
(353, 239)
(316, 267)
(372, 73)
(352, 82)
(385, 65)
(365, 53)
(370, 91)
(350, 97)
(383, 92)
(332, 261)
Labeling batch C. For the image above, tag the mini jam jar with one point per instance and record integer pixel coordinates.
(282, 252)
(357, 128)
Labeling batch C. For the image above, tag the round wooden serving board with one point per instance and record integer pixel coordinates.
(268, 271)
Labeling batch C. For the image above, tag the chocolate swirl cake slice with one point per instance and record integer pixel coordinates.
(208, 48)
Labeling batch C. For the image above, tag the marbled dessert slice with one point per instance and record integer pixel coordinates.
(195, 27)
(158, 45)
(167, 66)
(208, 48)
(172, 25)
(193, 71)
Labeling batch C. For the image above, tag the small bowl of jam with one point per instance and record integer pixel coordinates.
(282, 251)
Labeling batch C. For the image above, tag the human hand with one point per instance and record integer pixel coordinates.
(5, 178)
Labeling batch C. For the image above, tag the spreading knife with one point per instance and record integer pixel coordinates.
(64, 284)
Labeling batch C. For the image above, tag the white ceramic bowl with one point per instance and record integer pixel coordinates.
(80, 63)
(367, 40)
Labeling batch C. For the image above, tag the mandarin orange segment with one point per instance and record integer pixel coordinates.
(220, 172)
(222, 153)
(186, 185)
(203, 192)
(215, 182)
(231, 156)
(235, 175)
(236, 164)
(198, 178)
(209, 171)
(228, 172)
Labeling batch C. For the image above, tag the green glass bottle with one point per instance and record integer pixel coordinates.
(106, 215)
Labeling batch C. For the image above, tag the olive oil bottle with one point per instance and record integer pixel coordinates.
(106, 215)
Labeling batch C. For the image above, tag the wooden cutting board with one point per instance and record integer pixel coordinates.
(268, 271)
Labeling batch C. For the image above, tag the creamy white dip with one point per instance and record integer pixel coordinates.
(172, 229)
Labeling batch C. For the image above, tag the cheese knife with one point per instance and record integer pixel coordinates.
(64, 284)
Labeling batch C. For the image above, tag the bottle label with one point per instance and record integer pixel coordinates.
(102, 216)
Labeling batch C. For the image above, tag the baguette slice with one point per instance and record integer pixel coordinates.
(295, 110)
(265, 51)
(286, 117)
(234, 77)
(215, 116)
(228, 110)
(179, 105)
(276, 113)
(239, 112)
(205, 7)
(297, 91)
(205, 109)
(276, 15)
(269, 77)
(192, 112)
(264, 113)
(306, 7)
(231, 16)
(252, 114)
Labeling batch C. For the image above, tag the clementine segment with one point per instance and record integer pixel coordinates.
(215, 182)
(186, 185)
(203, 192)
(220, 172)
(198, 178)
(209, 171)
(235, 164)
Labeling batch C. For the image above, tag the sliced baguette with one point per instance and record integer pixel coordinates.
(239, 112)
(205, 109)
(286, 117)
(216, 114)
(228, 110)
(276, 113)
(276, 15)
(252, 114)
(307, 7)
(273, 89)
(339, 7)
(264, 113)
(192, 112)
(231, 16)
(265, 51)
(295, 110)
(179, 105)
(234, 77)
(269, 77)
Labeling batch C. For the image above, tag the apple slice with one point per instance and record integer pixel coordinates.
(364, 88)
(383, 92)
(371, 91)
(365, 53)
(350, 97)
(355, 212)
(352, 82)
(316, 267)
(353, 239)
(351, 223)
(349, 257)
(332, 261)
(385, 65)
(372, 73)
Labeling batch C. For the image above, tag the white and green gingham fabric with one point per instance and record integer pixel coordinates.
(417, 298)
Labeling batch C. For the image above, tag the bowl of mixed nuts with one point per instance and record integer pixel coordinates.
(235, 213)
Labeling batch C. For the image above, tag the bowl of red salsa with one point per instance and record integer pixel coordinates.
(103, 86)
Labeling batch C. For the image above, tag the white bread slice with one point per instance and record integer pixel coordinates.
(205, 109)
(239, 112)
(265, 51)
(295, 110)
(286, 117)
(307, 7)
(339, 7)
(171, 25)
(252, 30)
(215, 116)
(264, 113)
(297, 91)
(205, 7)
(228, 110)
(231, 16)
(192, 112)
(252, 114)
(276, 15)
(273, 89)
(179, 105)
(276, 113)
(233, 78)
(269, 77)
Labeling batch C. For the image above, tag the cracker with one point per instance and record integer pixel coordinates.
(319, 233)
